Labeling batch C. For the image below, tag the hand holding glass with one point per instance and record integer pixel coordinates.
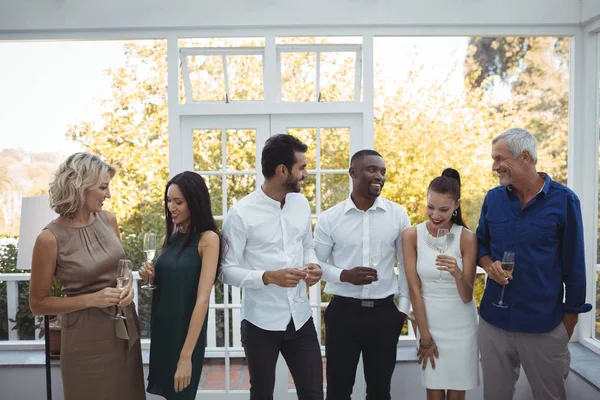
(508, 265)
(300, 296)
(442, 243)
(123, 275)
(150, 245)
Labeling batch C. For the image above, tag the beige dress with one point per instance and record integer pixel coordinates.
(100, 357)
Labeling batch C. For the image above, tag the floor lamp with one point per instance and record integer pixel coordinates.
(35, 215)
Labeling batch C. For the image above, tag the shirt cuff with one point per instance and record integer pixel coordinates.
(331, 274)
(403, 304)
(256, 278)
(577, 309)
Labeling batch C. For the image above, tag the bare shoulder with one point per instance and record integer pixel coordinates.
(410, 234)
(468, 237)
(209, 238)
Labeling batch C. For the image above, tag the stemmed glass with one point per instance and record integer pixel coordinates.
(442, 242)
(375, 254)
(508, 265)
(123, 275)
(150, 245)
(300, 295)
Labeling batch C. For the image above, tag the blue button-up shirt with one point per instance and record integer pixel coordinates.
(547, 239)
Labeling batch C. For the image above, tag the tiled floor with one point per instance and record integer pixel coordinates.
(213, 375)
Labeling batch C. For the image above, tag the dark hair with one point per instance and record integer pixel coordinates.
(449, 183)
(280, 149)
(363, 153)
(195, 193)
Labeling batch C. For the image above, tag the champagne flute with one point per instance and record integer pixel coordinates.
(375, 254)
(300, 295)
(123, 275)
(442, 243)
(508, 265)
(150, 245)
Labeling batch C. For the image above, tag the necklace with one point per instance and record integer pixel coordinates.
(439, 244)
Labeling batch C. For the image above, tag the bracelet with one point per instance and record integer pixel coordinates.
(427, 346)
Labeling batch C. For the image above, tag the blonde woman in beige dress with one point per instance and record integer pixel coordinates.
(100, 356)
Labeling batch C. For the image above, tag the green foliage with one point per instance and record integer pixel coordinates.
(133, 133)
(25, 322)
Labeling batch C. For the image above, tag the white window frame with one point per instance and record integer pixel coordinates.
(583, 98)
(583, 153)
(318, 49)
(185, 52)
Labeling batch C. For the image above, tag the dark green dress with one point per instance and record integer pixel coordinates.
(172, 305)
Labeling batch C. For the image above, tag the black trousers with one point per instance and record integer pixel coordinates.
(352, 329)
(301, 351)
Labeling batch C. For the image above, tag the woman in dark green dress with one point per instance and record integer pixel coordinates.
(184, 274)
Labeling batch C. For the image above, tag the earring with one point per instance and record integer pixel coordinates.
(455, 213)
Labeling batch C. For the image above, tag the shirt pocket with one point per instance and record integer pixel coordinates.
(544, 231)
(498, 225)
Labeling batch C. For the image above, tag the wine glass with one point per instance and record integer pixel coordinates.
(442, 242)
(123, 275)
(300, 295)
(375, 254)
(508, 265)
(150, 245)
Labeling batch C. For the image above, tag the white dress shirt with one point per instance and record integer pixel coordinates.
(262, 236)
(344, 236)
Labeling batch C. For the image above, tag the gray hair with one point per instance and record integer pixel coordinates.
(519, 140)
(78, 172)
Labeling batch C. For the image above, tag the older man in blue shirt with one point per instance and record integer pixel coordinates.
(540, 221)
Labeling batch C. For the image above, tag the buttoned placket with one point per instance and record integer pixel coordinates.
(366, 236)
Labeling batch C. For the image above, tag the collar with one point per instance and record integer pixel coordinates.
(349, 205)
(545, 187)
(269, 200)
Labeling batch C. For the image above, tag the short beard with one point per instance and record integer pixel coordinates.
(292, 185)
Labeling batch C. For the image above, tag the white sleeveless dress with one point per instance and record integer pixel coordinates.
(453, 324)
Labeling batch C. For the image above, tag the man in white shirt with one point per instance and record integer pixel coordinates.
(357, 243)
(269, 239)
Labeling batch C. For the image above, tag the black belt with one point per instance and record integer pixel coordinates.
(367, 302)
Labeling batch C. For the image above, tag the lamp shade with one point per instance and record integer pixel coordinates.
(35, 215)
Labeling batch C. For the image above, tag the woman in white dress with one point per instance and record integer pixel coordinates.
(441, 272)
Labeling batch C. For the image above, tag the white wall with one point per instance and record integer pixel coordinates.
(49, 15)
(590, 10)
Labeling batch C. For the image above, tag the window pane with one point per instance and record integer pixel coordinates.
(241, 149)
(207, 78)
(335, 148)
(207, 149)
(338, 71)
(308, 136)
(298, 76)
(245, 77)
(239, 186)
(215, 190)
(309, 190)
(335, 188)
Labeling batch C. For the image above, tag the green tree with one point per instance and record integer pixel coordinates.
(536, 71)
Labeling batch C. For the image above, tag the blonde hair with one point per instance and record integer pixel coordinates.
(80, 171)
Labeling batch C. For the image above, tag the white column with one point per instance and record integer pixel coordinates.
(583, 154)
